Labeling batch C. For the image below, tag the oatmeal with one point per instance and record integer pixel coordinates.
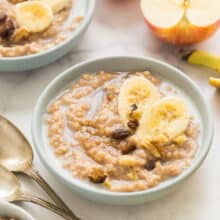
(29, 27)
(122, 131)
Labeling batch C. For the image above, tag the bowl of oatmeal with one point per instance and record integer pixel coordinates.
(9, 211)
(122, 130)
(34, 33)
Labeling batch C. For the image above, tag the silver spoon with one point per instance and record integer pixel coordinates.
(16, 155)
(10, 190)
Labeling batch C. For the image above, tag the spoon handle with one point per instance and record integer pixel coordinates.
(43, 203)
(47, 188)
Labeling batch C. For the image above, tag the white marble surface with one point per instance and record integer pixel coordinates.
(118, 29)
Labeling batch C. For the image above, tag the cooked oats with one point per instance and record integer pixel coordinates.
(81, 125)
(21, 44)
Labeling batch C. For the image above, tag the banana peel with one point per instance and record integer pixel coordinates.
(202, 58)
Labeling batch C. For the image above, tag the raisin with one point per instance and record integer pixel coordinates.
(133, 108)
(97, 175)
(7, 29)
(3, 17)
(98, 179)
(120, 133)
(128, 148)
(150, 165)
(133, 124)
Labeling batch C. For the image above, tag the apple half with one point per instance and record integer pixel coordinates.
(182, 21)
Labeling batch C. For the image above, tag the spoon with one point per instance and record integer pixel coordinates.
(16, 155)
(10, 190)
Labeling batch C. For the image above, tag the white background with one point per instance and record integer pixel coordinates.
(118, 29)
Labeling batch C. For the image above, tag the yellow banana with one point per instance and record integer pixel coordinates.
(163, 121)
(34, 16)
(203, 58)
(135, 93)
(57, 5)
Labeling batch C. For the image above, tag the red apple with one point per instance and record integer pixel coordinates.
(182, 21)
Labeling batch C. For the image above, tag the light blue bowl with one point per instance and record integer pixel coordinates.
(187, 89)
(29, 62)
(13, 211)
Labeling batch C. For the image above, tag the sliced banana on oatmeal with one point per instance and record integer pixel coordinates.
(34, 16)
(57, 5)
(135, 93)
(20, 35)
(162, 122)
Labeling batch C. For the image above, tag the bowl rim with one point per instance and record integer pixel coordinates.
(75, 33)
(167, 185)
(16, 209)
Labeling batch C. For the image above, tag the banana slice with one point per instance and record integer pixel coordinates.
(135, 93)
(35, 16)
(20, 35)
(57, 5)
(163, 121)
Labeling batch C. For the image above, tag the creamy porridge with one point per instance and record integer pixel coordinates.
(29, 27)
(122, 130)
